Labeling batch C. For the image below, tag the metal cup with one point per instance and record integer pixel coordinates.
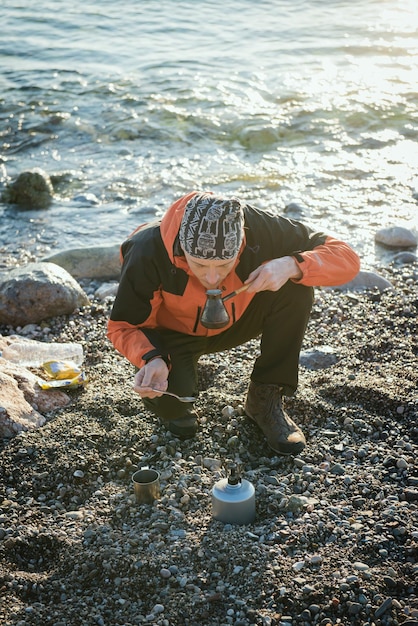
(146, 485)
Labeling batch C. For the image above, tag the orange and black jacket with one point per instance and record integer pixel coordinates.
(158, 291)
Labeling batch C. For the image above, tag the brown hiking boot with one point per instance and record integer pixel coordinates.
(264, 406)
(183, 427)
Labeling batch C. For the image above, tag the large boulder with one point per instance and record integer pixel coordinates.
(95, 262)
(38, 291)
(31, 190)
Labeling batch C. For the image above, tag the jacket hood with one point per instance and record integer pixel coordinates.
(170, 223)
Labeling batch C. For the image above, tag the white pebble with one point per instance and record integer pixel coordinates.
(361, 567)
(298, 566)
(212, 464)
(74, 515)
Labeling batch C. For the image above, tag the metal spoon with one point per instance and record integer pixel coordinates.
(168, 393)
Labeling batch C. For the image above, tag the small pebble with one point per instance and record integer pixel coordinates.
(402, 463)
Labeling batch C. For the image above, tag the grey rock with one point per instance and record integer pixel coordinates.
(298, 502)
(38, 291)
(366, 280)
(396, 237)
(106, 290)
(295, 210)
(386, 604)
(411, 495)
(354, 608)
(404, 258)
(318, 358)
(361, 567)
(96, 262)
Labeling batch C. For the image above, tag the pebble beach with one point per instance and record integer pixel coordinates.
(336, 530)
(306, 109)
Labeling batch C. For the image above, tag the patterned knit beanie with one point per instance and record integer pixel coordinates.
(212, 227)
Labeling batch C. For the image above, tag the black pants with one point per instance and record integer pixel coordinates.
(280, 317)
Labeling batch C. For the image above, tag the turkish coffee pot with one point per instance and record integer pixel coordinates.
(214, 314)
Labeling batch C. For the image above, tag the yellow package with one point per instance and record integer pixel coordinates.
(60, 370)
(68, 383)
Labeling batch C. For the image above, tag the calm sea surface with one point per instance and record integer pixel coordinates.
(130, 104)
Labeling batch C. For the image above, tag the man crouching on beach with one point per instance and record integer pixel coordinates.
(206, 241)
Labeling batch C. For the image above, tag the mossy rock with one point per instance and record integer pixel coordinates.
(31, 190)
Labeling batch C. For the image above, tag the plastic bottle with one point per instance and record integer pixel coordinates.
(31, 353)
(233, 499)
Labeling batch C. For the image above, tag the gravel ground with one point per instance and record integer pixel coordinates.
(336, 530)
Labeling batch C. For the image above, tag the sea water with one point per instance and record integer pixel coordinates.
(305, 107)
